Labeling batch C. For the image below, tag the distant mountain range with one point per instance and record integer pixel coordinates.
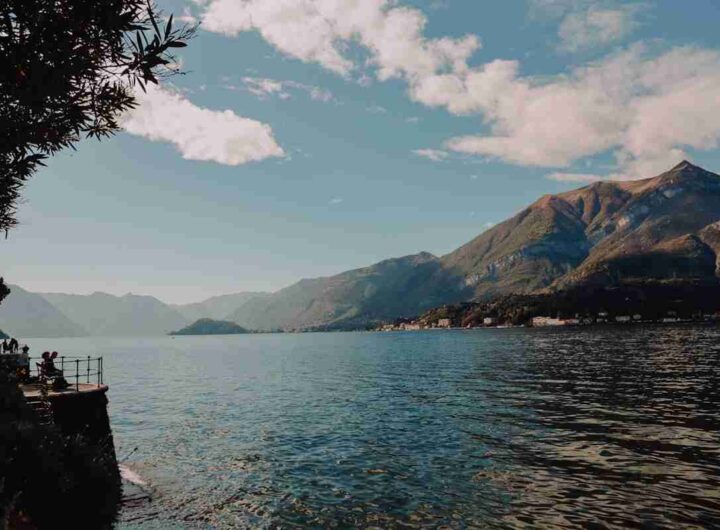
(608, 233)
(34, 315)
(26, 314)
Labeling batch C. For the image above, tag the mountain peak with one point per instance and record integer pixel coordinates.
(685, 165)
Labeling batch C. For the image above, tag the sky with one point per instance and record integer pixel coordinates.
(309, 137)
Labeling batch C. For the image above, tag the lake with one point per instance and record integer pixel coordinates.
(598, 427)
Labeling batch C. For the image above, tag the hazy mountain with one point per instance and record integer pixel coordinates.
(103, 314)
(208, 326)
(28, 315)
(217, 307)
(395, 287)
(605, 233)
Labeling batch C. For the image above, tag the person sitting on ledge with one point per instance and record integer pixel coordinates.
(48, 364)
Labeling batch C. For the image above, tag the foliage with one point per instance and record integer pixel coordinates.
(48, 479)
(654, 300)
(68, 68)
(207, 326)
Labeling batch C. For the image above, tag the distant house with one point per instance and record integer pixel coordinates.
(539, 322)
(412, 326)
(623, 319)
(637, 317)
(444, 323)
(489, 321)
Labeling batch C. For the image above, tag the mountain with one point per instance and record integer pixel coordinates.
(217, 307)
(607, 233)
(103, 314)
(661, 229)
(29, 315)
(207, 326)
(395, 287)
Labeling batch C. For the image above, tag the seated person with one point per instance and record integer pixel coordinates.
(48, 365)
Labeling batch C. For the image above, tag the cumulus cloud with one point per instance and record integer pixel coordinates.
(198, 133)
(648, 110)
(645, 108)
(264, 88)
(436, 155)
(594, 27)
(319, 31)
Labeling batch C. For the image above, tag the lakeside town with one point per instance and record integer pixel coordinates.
(602, 317)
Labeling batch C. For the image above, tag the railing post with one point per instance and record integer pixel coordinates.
(62, 365)
(102, 367)
(88, 370)
(77, 375)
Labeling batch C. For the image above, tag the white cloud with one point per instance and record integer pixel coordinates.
(336, 200)
(594, 27)
(435, 155)
(199, 133)
(319, 31)
(646, 109)
(264, 88)
(376, 109)
(187, 17)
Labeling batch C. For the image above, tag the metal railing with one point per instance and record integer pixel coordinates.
(75, 370)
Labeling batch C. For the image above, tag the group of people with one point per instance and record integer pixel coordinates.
(47, 366)
(12, 346)
(21, 362)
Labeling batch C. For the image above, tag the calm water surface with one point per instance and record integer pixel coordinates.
(603, 428)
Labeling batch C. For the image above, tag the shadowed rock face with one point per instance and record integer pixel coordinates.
(608, 232)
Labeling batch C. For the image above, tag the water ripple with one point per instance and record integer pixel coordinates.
(601, 428)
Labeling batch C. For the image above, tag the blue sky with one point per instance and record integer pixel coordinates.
(352, 133)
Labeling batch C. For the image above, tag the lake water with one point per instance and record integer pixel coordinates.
(605, 427)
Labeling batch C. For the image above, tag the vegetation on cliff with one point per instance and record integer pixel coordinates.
(207, 326)
(50, 480)
(651, 301)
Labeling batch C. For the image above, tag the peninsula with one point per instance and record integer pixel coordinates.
(208, 326)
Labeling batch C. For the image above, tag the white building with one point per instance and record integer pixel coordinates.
(539, 322)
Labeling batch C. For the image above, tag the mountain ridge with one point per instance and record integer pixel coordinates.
(661, 228)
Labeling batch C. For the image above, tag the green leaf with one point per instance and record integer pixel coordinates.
(168, 28)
